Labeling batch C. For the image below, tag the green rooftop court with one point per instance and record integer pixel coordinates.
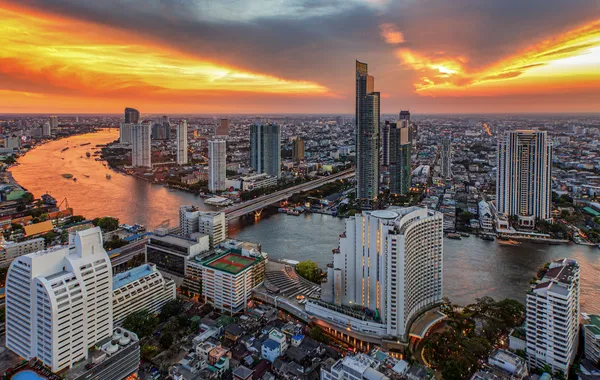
(593, 324)
(230, 263)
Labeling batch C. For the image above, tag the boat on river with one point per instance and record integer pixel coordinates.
(87, 154)
(487, 237)
(67, 175)
(453, 236)
(509, 242)
(108, 176)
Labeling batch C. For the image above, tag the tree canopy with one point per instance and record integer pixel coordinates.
(309, 270)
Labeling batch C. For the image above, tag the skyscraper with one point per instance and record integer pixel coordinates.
(223, 129)
(553, 317)
(182, 143)
(213, 224)
(217, 167)
(390, 262)
(399, 156)
(46, 129)
(59, 301)
(298, 149)
(446, 158)
(405, 118)
(265, 149)
(165, 120)
(160, 131)
(132, 115)
(141, 148)
(367, 136)
(523, 184)
(53, 122)
(125, 133)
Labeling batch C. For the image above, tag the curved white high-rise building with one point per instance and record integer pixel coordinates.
(390, 262)
(59, 301)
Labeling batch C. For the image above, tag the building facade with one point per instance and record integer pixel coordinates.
(553, 317)
(59, 301)
(182, 143)
(399, 156)
(140, 288)
(523, 184)
(228, 280)
(132, 116)
(217, 167)
(591, 332)
(265, 149)
(46, 129)
(390, 262)
(125, 133)
(367, 136)
(141, 145)
(446, 159)
(223, 129)
(213, 224)
(298, 149)
(53, 123)
(10, 250)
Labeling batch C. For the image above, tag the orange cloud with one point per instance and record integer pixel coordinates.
(390, 34)
(564, 62)
(46, 55)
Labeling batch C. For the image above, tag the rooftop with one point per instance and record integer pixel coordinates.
(230, 263)
(175, 240)
(271, 344)
(132, 275)
(592, 323)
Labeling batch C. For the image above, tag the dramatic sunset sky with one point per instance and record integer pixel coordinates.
(297, 56)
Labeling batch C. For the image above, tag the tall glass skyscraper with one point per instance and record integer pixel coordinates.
(265, 149)
(367, 136)
(399, 156)
(132, 115)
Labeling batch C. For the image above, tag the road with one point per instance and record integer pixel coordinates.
(263, 201)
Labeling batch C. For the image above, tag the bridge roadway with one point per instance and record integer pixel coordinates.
(263, 201)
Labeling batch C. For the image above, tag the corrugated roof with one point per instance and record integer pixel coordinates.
(38, 228)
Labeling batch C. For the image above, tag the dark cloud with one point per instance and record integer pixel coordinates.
(318, 40)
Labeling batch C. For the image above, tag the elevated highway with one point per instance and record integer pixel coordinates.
(263, 201)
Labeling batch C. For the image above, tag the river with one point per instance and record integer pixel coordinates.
(472, 267)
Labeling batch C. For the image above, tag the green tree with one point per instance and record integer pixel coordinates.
(148, 352)
(49, 237)
(143, 323)
(77, 218)
(2, 314)
(106, 223)
(318, 334)
(310, 271)
(171, 309)
(166, 340)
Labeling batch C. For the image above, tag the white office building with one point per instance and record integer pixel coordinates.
(552, 317)
(182, 143)
(389, 261)
(9, 250)
(357, 367)
(125, 133)
(211, 223)
(217, 167)
(591, 332)
(140, 288)
(59, 301)
(141, 148)
(523, 183)
(53, 122)
(486, 219)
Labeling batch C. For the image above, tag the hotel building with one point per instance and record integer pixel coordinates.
(140, 288)
(228, 279)
(390, 262)
(552, 317)
(58, 301)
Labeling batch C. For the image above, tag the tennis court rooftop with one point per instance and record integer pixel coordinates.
(230, 263)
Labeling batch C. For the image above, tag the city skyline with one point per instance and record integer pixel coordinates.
(91, 58)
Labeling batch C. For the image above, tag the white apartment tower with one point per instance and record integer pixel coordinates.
(213, 224)
(389, 261)
(141, 148)
(217, 173)
(552, 317)
(182, 143)
(59, 301)
(53, 122)
(46, 129)
(523, 184)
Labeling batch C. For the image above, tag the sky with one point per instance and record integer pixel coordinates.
(298, 56)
